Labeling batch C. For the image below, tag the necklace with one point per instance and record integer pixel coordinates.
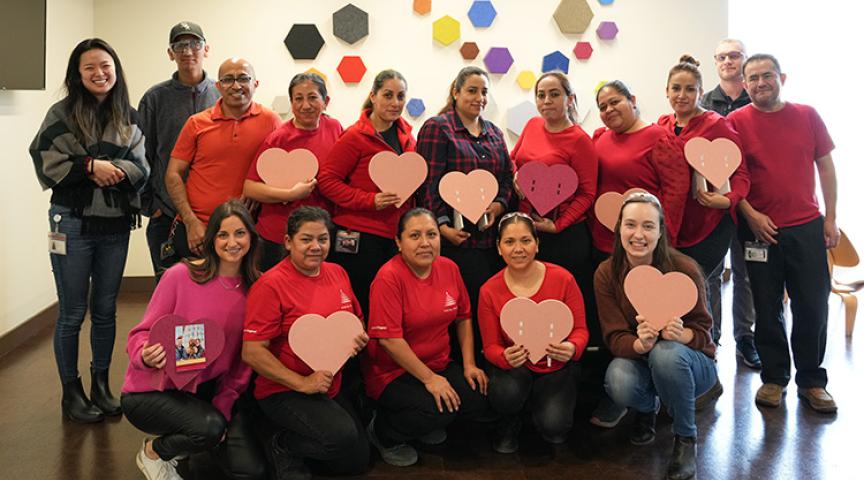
(229, 286)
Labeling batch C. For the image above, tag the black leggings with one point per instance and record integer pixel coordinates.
(187, 423)
(406, 410)
(324, 430)
(712, 250)
(551, 397)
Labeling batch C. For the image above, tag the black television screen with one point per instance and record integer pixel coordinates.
(22, 44)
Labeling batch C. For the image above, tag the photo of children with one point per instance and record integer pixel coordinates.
(189, 347)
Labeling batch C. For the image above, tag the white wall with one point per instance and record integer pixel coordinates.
(653, 34)
(26, 283)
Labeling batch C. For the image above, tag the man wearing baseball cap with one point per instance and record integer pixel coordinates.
(164, 109)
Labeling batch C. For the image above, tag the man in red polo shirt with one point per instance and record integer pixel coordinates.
(215, 149)
(785, 235)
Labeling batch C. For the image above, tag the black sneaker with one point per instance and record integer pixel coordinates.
(643, 431)
(506, 435)
(286, 465)
(746, 351)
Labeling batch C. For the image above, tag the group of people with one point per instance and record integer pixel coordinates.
(428, 286)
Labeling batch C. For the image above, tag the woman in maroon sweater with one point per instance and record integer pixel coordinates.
(366, 217)
(674, 363)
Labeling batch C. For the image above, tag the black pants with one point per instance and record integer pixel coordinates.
(188, 423)
(181, 246)
(571, 249)
(712, 250)
(374, 251)
(324, 430)
(269, 254)
(551, 397)
(158, 229)
(406, 410)
(799, 264)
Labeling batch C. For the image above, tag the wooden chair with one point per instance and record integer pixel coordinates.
(844, 255)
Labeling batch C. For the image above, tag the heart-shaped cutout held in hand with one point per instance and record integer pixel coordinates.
(715, 159)
(469, 194)
(183, 373)
(659, 297)
(536, 325)
(607, 207)
(546, 186)
(399, 174)
(325, 344)
(282, 169)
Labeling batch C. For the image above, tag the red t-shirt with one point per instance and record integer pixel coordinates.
(219, 150)
(572, 147)
(700, 221)
(401, 305)
(281, 296)
(558, 284)
(781, 149)
(650, 159)
(273, 216)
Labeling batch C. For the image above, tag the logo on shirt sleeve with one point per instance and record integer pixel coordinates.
(345, 301)
(449, 302)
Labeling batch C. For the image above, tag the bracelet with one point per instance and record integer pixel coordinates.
(88, 165)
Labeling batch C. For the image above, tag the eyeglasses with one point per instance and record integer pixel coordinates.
(721, 57)
(510, 215)
(228, 81)
(193, 45)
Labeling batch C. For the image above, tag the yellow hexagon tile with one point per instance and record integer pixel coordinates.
(317, 72)
(445, 29)
(526, 79)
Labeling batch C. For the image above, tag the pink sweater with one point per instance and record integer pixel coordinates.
(177, 294)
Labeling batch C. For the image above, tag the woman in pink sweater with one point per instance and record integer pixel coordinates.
(202, 416)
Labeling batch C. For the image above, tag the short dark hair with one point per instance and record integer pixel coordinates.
(763, 56)
(306, 214)
(414, 212)
(308, 77)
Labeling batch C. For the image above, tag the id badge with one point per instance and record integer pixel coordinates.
(756, 252)
(57, 240)
(347, 241)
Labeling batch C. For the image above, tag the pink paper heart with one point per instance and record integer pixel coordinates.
(325, 343)
(536, 325)
(546, 186)
(607, 207)
(469, 194)
(659, 297)
(715, 159)
(282, 169)
(163, 332)
(399, 174)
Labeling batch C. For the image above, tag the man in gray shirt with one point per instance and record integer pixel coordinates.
(164, 109)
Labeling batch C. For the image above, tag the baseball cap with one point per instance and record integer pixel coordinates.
(186, 28)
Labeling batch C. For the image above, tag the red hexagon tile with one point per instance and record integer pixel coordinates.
(351, 69)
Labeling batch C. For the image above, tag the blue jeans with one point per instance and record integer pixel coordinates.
(675, 372)
(95, 261)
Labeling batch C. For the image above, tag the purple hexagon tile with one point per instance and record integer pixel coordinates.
(607, 30)
(498, 60)
(556, 61)
(482, 13)
(415, 107)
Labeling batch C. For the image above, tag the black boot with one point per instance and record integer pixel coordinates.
(100, 393)
(506, 434)
(682, 466)
(75, 405)
(642, 432)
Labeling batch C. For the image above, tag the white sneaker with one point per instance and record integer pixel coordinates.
(156, 469)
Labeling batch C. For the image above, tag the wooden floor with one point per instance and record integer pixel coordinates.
(737, 440)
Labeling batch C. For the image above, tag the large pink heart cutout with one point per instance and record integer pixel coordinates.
(659, 297)
(715, 159)
(469, 194)
(325, 343)
(536, 325)
(282, 169)
(546, 186)
(163, 332)
(399, 174)
(607, 207)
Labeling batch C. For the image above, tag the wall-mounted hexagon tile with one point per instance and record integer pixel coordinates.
(415, 107)
(498, 60)
(556, 61)
(482, 13)
(583, 50)
(526, 79)
(519, 115)
(281, 104)
(469, 50)
(350, 23)
(445, 29)
(422, 7)
(605, 2)
(304, 41)
(573, 16)
(607, 30)
(317, 72)
(351, 69)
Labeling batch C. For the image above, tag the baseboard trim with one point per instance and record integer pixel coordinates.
(138, 284)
